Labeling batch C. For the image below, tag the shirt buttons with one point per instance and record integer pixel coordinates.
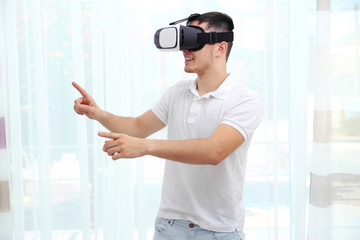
(191, 225)
(194, 111)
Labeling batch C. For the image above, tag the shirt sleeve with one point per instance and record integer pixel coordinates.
(244, 115)
(161, 107)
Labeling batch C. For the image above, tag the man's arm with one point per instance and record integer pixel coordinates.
(211, 151)
(142, 126)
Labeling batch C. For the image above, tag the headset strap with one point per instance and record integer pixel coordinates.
(190, 18)
(215, 37)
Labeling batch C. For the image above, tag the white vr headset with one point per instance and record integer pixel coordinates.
(191, 38)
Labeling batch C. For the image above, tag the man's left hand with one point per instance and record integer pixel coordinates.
(123, 146)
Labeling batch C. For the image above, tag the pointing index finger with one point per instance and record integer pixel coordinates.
(80, 89)
(108, 135)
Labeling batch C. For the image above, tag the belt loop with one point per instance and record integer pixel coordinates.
(171, 221)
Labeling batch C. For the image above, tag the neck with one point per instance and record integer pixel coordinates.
(210, 81)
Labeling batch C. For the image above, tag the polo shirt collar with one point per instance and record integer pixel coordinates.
(221, 92)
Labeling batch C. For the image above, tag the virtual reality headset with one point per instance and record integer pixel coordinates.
(191, 38)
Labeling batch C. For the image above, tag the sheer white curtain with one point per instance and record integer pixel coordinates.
(335, 170)
(5, 211)
(56, 183)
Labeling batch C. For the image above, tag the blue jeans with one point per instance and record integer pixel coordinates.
(168, 229)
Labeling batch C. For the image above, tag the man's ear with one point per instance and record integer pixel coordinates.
(221, 49)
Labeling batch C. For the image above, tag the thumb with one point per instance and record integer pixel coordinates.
(86, 108)
(90, 112)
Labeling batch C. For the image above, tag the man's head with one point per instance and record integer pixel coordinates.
(216, 22)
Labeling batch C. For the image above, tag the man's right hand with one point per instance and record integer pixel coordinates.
(86, 104)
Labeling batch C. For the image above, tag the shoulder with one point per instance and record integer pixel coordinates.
(240, 93)
(243, 108)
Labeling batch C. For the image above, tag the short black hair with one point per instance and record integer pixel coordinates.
(218, 22)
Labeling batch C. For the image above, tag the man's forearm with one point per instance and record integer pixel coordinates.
(141, 126)
(118, 124)
(195, 151)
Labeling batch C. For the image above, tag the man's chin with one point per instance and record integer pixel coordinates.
(188, 70)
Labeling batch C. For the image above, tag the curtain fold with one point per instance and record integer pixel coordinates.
(5, 208)
(298, 73)
(10, 99)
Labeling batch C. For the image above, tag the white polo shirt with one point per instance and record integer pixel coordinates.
(210, 196)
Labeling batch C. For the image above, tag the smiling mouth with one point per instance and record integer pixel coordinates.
(188, 59)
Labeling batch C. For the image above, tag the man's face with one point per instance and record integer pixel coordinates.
(201, 60)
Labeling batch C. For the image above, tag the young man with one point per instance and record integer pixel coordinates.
(210, 124)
